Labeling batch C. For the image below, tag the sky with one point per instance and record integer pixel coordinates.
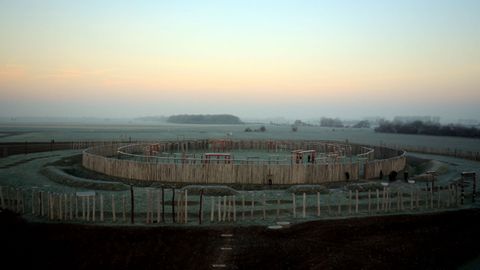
(298, 59)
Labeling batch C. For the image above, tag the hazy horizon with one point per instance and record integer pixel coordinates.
(292, 59)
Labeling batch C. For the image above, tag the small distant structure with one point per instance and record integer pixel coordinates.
(221, 145)
(304, 156)
(218, 158)
(153, 149)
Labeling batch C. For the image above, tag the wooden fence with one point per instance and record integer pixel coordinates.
(103, 159)
(178, 206)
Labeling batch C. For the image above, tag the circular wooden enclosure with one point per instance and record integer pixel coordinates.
(227, 161)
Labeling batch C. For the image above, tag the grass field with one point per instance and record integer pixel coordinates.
(107, 132)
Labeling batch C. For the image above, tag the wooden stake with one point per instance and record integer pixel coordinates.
(114, 215)
(83, 209)
(219, 208)
(200, 211)
(264, 206)
(186, 206)
(88, 208)
(101, 207)
(369, 202)
(356, 201)
(124, 206)
(212, 211)
(234, 209)
(350, 202)
(318, 204)
(159, 205)
(243, 207)
(304, 205)
(163, 204)
(253, 205)
(294, 206)
(33, 200)
(94, 209)
(224, 218)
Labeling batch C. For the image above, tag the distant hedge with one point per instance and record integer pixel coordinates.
(419, 127)
(204, 119)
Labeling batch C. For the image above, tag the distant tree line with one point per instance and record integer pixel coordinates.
(330, 122)
(204, 119)
(428, 128)
(362, 124)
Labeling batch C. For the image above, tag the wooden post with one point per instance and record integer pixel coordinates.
(294, 206)
(243, 207)
(88, 208)
(42, 204)
(186, 206)
(278, 208)
(253, 205)
(264, 206)
(132, 205)
(350, 202)
(411, 200)
(94, 210)
(339, 206)
(398, 200)
(71, 206)
(200, 211)
(124, 206)
(229, 207)
(384, 203)
(369, 202)
(449, 195)
(224, 216)
(147, 201)
(101, 207)
(2, 199)
(329, 203)
(159, 205)
(318, 204)
(431, 196)
(114, 217)
(219, 208)
(356, 201)
(83, 208)
(234, 209)
(163, 204)
(65, 212)
(212, 211)
(173, 205)
(378, 200)
(439, 191)
(304, 205)
(76, 206)
(33, 200)
(417, 199)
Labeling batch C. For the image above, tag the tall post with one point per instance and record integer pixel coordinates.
(234, 208)
(173, 204)
(159, 205)
(243, 206)
(294, 206)
(304, 214)
(186, 206)
(318, 204)
(356, 201)
(212, 210)
(101, 207)
(132, 205)
(163, 204)
(113, 208)
(200, 211)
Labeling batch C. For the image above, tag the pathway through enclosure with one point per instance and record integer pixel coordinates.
(224, 259)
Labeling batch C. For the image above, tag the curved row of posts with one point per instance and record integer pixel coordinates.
(177, 206)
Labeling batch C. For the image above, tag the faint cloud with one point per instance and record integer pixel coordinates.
(11, 72)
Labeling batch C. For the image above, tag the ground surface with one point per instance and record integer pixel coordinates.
(437, 241)
(45, 132)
